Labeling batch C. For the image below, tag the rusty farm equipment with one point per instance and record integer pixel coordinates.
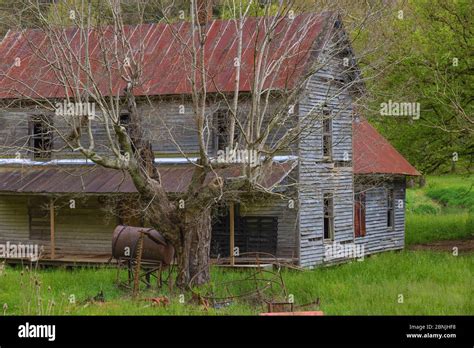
(143, 253)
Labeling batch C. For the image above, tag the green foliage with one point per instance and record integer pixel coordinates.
(431, 63)
(418, 203)
(453, 197)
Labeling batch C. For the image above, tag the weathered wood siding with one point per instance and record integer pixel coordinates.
(84, 230)
(168, 123)
(378, 237)
(14, 136)
(14, 224)
(318, 175)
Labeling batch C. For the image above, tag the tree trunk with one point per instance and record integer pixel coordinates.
(422, 181)
(199, 257)
(193, 253)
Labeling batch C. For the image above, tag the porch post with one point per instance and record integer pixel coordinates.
(232, 241)
(52, 224)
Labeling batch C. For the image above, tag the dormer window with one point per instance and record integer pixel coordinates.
(41, 136)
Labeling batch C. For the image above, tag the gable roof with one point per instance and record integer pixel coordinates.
(373, 154)
(166, 56)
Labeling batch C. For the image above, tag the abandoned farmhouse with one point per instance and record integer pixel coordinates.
(339, 181)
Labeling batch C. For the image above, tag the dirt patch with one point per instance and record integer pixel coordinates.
(463, 245)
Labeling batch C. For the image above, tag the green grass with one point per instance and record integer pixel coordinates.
(442, 210)
(431, 283)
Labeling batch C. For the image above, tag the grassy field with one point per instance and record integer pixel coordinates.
(443, 209)
(430, 283)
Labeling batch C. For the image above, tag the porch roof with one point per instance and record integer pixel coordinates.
(373, 154)
(94, 179)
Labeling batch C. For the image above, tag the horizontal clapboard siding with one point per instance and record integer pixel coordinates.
(84, 230)
(378, 237)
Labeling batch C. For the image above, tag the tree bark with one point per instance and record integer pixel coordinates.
(199, 257)
(193, 252)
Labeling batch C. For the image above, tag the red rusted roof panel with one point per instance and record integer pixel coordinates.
(373, 154)
(167, 57)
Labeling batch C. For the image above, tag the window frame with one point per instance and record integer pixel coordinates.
(360, 201)
(222, 138)
(46, 136)
(328, 216)
(390, 209)
(36, 212)
(326, 135)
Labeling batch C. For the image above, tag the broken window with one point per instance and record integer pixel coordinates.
(327, 135)
(41, 136)
(359, 214)
(328, 216)
(124, 120)
(390, 209)
(221, 133)
(222, 120)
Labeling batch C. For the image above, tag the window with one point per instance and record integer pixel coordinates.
(328, 216)
(251, 233)
(221, 125)
(221, 130)
(124, 121)
(327, 135)
(39, 222)
(390, 210)
(41, 137)
(359, 214)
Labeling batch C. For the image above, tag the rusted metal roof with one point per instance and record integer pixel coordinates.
(373, 154)
(166, 57)
(98, 180)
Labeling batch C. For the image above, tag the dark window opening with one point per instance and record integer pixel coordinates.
(359, 214)
(42, 137)
(390, 209)
(327, 135)
(124, 120)
(328, 216)
(222, 119)
(251, 234)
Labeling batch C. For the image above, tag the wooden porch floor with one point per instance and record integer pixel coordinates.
(80, 260)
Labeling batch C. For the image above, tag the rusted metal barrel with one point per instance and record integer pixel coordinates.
(155, 248)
